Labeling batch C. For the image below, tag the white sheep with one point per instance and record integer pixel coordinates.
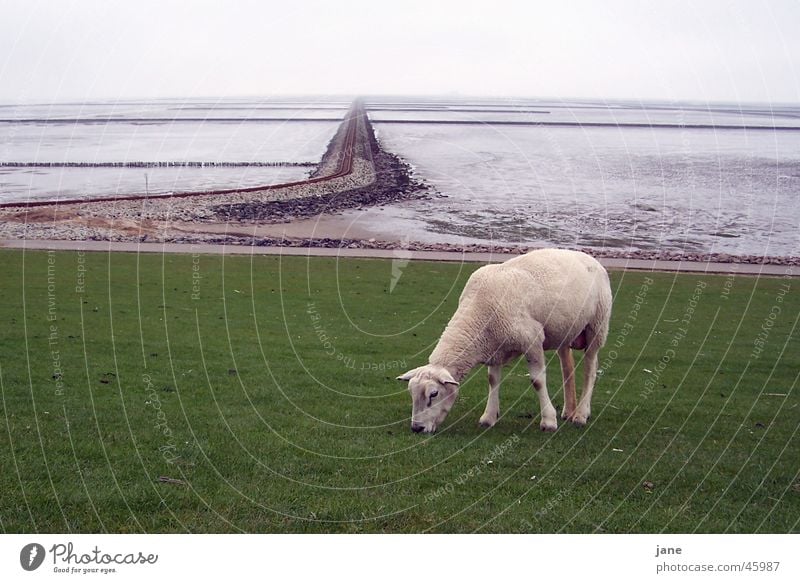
(543, 300)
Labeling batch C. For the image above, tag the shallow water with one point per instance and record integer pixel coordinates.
(20, 184)
(163, 131)
(694, 189)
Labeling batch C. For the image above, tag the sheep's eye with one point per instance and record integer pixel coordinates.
(434, 393)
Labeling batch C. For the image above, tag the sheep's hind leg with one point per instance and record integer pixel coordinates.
(568, 372)
(584, 410)
(536, 367)
(492, 412)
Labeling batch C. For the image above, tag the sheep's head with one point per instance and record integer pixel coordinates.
(433, 392)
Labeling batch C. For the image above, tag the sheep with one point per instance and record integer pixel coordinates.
(548, 299)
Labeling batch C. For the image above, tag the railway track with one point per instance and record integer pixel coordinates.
(345, 153)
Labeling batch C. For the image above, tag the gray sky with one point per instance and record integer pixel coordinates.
(737, 50)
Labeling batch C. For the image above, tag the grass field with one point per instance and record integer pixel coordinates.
(264, 390)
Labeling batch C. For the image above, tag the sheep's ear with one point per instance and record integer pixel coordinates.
(447, 379)
(409, 375)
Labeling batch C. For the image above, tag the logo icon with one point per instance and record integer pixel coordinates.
(401, 257)
(31, 556)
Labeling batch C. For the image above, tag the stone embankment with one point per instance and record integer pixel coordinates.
(354, 172)
(378, 177)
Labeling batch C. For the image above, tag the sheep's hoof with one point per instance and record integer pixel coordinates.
(486, 421)
(578, 420)
(565, 415)
(548, 426)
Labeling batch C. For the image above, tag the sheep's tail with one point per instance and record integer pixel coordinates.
(602, 314)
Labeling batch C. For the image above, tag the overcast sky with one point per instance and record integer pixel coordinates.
(736, 50)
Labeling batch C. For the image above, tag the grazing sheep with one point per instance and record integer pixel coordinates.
(549, 299)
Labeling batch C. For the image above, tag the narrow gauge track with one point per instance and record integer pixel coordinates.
(345, 167)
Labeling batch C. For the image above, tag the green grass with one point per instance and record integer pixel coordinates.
(271, 395)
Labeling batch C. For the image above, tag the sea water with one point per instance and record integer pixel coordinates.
(678, 176)
(208, 132)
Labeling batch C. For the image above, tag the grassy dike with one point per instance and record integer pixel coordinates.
(184, 393)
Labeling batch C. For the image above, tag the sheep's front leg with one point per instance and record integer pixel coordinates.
(536, 367)
(492, 412)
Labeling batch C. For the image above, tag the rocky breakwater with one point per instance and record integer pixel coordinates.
(377, 177)
(354, 172)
